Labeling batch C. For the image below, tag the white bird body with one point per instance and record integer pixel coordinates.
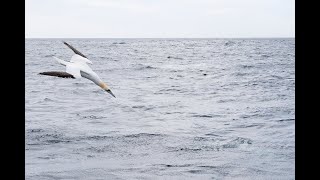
(77, 68)
(76, 65)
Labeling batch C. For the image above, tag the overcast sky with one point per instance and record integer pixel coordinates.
(159, 18)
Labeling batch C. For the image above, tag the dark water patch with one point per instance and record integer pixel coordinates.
(198, 149)
(34, 130)
(256, 115)
(41, 138)
(188, 149)
(118, 43)
(173, 113)
(97, 138)
(208, 167)
(35, 144)
(240, 74)
(34, 91)
(150, 67)
(205, 115)
(175, 165)
(195, 171)
(139, 107)
(213, 134)
(225, 100)
(171, 89)
(145, 108)
(277, 77)
(282, 120)
(229, 43)
(172, 57)
(79, 84)
(47, 100)
(265, 55)
(176, 70)
(54, 141)
(151, 77)
(93, 117)
(250, 125)
(45, 158)
(139, 135)
(49, 135)
(246, 66)
(144, 67)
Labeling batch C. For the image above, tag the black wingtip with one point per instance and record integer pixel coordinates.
(57, 74)
(65, 43)
(74, 50)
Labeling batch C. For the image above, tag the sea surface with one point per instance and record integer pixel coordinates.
(184, 109)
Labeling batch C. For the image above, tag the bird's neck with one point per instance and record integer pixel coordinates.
(103, 85)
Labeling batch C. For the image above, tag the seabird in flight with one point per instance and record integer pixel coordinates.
(77, 68)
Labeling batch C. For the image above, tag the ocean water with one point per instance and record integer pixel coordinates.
(185, 109)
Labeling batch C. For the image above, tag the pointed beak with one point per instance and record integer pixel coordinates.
(109, 91)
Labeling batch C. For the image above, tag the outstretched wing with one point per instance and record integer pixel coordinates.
(57, 74)
(74, 50)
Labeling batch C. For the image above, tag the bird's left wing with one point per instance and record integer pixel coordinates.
(57, 74)
(74, 50)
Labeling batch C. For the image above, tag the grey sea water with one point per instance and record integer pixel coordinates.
(185, 109)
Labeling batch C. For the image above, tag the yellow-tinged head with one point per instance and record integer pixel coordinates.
(106, 88)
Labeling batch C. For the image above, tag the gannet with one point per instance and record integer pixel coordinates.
(77, 68)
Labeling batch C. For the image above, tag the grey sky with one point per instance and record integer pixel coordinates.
(159, 18)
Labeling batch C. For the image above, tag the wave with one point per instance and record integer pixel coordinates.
(206, 115)
(237, 142)
(39, 137)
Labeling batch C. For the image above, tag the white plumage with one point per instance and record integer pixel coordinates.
(77, 68)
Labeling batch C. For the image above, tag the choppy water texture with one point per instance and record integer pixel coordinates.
(185, 109)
